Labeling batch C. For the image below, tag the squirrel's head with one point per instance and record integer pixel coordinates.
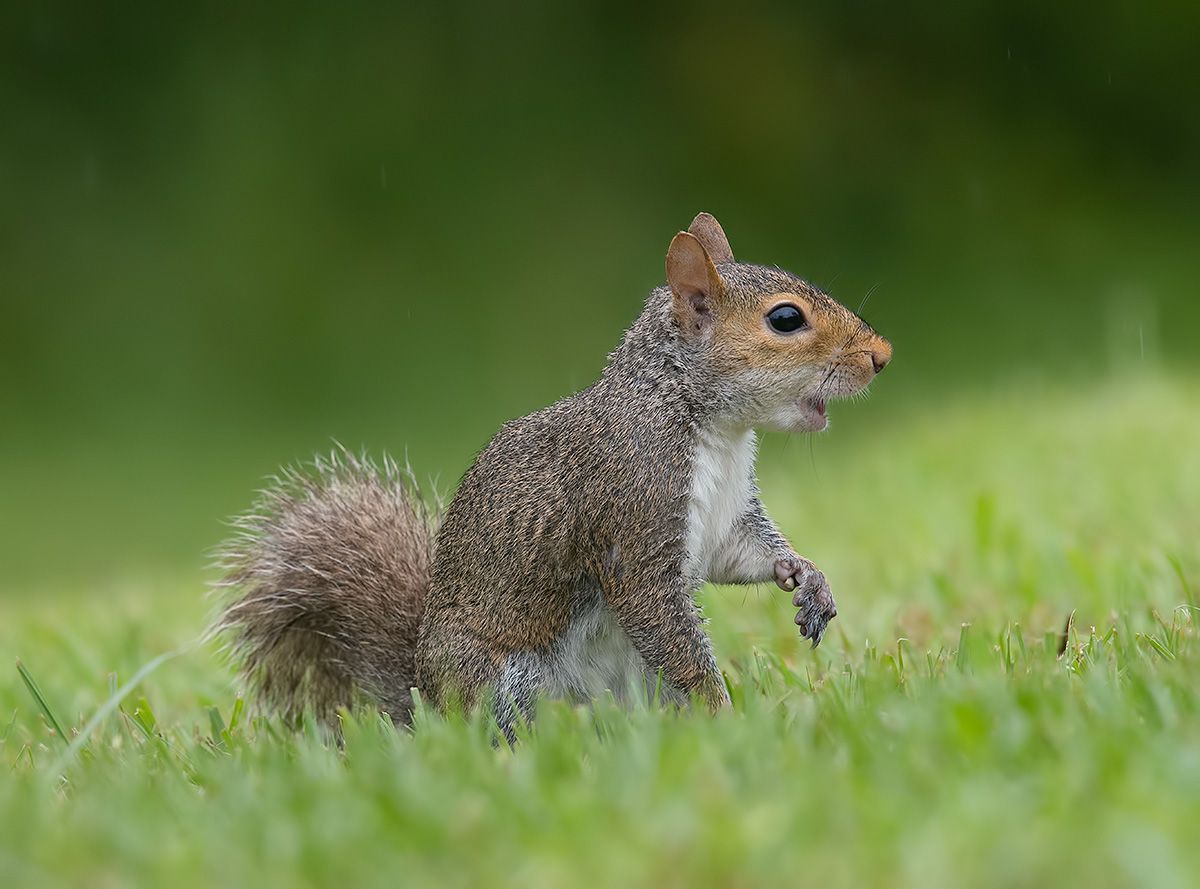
(778, 348)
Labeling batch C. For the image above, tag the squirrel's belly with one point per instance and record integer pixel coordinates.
(594, 655)
(721, 487)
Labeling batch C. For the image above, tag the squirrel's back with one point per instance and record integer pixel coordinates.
(537, 519)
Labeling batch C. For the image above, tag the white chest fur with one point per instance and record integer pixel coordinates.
(721, 485)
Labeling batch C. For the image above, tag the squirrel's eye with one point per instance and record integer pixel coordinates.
(786, 319)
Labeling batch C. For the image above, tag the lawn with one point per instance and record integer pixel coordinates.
(941, 736)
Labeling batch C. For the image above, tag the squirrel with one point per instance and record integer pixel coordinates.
(567, 561)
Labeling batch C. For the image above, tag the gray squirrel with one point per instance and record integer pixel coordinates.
(567, 562)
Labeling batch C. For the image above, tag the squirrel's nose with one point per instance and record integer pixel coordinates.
(880, 356)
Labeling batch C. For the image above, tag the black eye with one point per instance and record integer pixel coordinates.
(786, 319)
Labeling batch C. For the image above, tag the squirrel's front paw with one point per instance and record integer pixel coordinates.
(812, 596)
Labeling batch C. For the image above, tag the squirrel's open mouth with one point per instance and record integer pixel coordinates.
(812, 417)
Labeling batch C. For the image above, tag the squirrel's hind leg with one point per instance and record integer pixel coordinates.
(516, 691)
(457, 669)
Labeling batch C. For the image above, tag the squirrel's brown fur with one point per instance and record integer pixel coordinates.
(568, 558)
(331, 569)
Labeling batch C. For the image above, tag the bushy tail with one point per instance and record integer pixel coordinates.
(326, 584)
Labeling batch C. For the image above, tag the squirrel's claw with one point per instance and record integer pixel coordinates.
(811, 595)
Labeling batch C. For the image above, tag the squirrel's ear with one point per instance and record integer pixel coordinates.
(694, 282)
(712, 236)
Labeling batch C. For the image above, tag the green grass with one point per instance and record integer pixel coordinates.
(937, 738)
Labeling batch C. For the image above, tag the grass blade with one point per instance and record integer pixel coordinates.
(40, 699)
(8, 728)
(1064, 637)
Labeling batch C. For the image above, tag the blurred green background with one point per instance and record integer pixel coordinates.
(228, 235)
